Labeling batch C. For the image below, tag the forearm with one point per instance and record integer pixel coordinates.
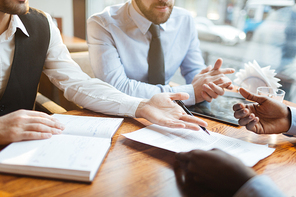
(78, 87)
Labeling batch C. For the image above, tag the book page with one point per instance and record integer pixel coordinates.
(89, 126)
(183, 140)
(67, 152)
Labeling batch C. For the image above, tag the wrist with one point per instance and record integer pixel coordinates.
(288, 120)
(140, 109)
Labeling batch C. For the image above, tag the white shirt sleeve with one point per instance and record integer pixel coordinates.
(292, 130)
(259, 186)
(78, 87)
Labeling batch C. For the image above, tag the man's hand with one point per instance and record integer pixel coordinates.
(27, 125)
(161, 110)
(210, 83)
(267, 116)
(216, 170)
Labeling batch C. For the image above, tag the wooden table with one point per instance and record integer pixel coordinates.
(134, 169)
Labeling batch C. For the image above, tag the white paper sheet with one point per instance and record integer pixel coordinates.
(89, 126)
(183, 140)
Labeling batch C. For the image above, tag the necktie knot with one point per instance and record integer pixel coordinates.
(154, 30)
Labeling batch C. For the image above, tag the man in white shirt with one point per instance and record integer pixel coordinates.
(122, 34)
(29, 44)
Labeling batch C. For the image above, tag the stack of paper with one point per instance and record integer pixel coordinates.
(253, 76)
(183, 140)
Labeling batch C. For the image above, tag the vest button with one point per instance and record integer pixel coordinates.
(2, 108)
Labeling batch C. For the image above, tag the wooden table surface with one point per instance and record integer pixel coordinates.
(134, 169)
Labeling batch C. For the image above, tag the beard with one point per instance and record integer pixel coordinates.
(153, 15)
(14, 7)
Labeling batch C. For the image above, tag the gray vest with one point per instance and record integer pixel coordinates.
(29, 57)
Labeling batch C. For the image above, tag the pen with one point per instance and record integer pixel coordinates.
(181, 104)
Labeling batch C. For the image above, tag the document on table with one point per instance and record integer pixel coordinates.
(183, 140)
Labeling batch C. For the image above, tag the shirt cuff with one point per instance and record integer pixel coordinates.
(292, 130)
(260, 185)
(188, 89)
(129, 106)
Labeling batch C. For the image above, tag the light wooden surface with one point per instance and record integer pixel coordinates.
(135, 169)
(75, 44)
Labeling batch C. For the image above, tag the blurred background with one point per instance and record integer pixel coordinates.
(238, 31)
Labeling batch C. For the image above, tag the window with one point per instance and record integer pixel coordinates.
(270, 30)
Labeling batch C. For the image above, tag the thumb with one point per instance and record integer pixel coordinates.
(183, 156)
(250, 96)
(207, 69)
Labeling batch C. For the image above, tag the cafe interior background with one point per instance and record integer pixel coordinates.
(238, 31)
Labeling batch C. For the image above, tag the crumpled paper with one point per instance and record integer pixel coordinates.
(253, 76)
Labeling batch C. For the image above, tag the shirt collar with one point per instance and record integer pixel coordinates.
(142, 23)
(15, 22)
(19, 24)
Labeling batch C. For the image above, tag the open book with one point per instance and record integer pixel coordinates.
(74, 155)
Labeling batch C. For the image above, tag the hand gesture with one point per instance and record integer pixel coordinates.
(267, 116)
(27, 125)
(216, 170)
(161, 110)
(210, 83)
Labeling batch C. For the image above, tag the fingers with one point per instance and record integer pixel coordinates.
(182, 124)
(249, 121)
(242, 113)
(227, 71)
(218, 64)
(194, 120)
(251, 96)
(251, 125)
(179, 96)
(37, 127)
(207, 69)
(206, 97)
(49, 122)
(183, 156)
(238, 106)
(213, 90)
(28, 135)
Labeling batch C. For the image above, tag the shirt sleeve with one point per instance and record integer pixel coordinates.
(292, 130)
(78, 87)
(259, 186)
(108, 67)
(193, 62)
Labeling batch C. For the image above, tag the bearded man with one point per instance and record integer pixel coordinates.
(30, 43)
(138, 46)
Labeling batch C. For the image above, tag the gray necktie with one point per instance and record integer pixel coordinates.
(156, 73)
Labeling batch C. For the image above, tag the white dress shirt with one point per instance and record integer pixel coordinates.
(259, 186)
(119, 41)
(292, 130)
(90, 93)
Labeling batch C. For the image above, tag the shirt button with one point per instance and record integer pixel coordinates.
(2, 108)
